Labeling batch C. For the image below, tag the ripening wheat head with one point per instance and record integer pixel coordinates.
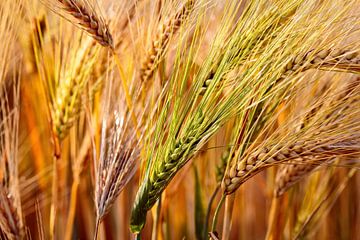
(83, 13)
(161, 41)
(67, 102)
(289, 174)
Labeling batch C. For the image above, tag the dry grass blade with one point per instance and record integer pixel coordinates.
(116, 168)
(88, 19)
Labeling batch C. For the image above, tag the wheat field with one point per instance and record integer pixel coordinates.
(179, 119)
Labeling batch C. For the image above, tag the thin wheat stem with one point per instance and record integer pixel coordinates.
(208, 211)
(72, 210)
(229, 205)
(216, 213)
(97, 226)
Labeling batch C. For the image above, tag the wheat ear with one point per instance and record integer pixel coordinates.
(327, 59)
(89, 20)
(175, 158)
(67, 104)
(290, 174)
(160, 43)
(313, 150)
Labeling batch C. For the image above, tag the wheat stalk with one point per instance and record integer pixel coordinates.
(160, 44)
(89, 20)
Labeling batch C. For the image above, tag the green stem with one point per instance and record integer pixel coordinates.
(216, 214)
(156, 220)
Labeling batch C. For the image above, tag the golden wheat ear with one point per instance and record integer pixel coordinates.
(82, 14)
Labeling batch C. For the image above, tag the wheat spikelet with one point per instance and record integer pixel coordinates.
(161, 41)
(89, 20)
